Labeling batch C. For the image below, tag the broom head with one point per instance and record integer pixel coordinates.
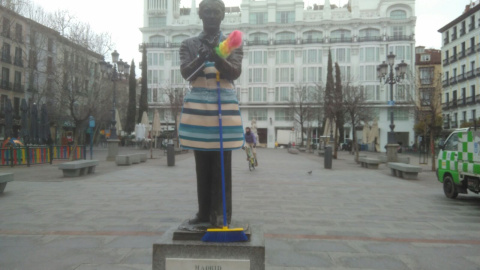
(225, 235)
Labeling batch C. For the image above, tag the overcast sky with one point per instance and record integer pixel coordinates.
(124, 18)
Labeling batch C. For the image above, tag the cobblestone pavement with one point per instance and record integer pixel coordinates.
(345, 218)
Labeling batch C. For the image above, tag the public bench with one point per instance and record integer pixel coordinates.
(403, 170)
(370, 163)
(129, 159)
(4, 179)
(78, 167)
(401, 159)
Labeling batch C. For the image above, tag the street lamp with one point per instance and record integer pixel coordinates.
(111, 72)
(390, 78)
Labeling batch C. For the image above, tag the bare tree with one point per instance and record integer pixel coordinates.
(303, 107)
(357, 111)
(427, 109)
(175, 98)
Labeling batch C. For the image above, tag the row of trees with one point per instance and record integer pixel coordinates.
(341, 101)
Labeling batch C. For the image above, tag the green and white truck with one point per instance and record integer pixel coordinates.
(459, 163)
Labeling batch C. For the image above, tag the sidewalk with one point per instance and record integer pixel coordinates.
(345, 218)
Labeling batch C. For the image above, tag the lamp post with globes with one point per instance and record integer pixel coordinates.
(111, 72)
(387, 75)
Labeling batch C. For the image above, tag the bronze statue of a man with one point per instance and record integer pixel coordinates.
(199, 128)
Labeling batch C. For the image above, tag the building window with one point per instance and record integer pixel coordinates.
(283, 93)
(398, 15)
(369, 54)
(399, 114)
(284, 57)
(369, 32)
(157, 39)
(157, 21)
(283, 115)
(426, 75)
(257, 75)
(426, 96)
(402, 52)
(284, 74)
(258, 39)
(285, 17)
(50, 44)
(258, 17)
(425, 57)
(312, 74)
(17, 81)
(176, 77)
(312, 36)
(177, 40)
(257, 94)
(257, 58)
(19, 32)
(341, 55)
(6, 27)
(50, 65)
(176, 58)
(340, 36)
(6, 53)
(313, 56)
(257, 114)
(285, 38)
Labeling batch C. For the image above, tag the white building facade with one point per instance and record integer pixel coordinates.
(461, 68)
(286, 46)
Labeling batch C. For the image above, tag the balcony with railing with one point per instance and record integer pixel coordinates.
(257, 42)
(7, 58)
(454, 124)
(461, 55)
(446, 82)
(446, 125)
(478, 47)
(477, 71)
(400, 37)
(471, 27)
(446, 61)
(152, 45)
(18, 61)
(471, 74)
(462, 102)
(341, 40)
(312, 40)
(471, 50)
(461, 78)
(453, 59)
(446, 41)
(18, 87)
(285, 42)
(5, 85)
(453, 80)
(462, 32)
(362, 39)
(454, 36)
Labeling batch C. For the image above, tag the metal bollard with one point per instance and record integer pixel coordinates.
(327, 160)
(170, 155)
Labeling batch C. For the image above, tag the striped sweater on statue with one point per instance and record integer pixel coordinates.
(198, 129)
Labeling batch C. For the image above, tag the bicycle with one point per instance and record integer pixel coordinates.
(251, 158)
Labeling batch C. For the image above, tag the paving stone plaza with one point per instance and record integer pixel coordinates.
(345, 218)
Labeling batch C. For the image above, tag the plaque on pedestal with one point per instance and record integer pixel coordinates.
(170, 254)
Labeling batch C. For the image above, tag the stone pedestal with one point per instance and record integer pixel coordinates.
(169, 254)
(112, 149)
(392, 152)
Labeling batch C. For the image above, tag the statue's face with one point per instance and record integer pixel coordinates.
(211, 15)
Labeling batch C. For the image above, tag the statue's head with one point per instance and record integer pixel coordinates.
(211, 12)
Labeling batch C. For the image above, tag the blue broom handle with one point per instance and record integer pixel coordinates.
(222, 163)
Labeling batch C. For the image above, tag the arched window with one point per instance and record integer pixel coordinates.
(341, 36)
(157, 39)
(398, 15)
(258, 39)
(285, 36)
(369, 32)
(312, 36)
(178, 39)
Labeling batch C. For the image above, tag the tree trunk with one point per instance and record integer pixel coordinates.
(335, 144)
(432, 145)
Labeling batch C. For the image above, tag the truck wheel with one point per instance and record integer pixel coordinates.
(449, 187)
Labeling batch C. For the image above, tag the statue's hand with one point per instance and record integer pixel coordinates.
(204, 53)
